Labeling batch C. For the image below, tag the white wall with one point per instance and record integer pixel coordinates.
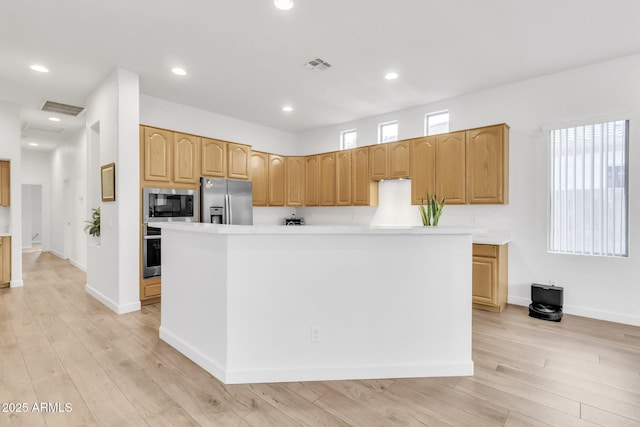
(36, 170)
(169, 115)
(31, 215)
(599, 287)
(10, 218)
(112, 266)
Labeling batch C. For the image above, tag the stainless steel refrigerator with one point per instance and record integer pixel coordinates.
(226, 201)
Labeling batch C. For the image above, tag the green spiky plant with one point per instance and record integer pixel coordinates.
(93, 226)
(431, 213)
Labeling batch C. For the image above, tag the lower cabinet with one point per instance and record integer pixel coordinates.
(150, 290)
(5, 261)
(490, 277)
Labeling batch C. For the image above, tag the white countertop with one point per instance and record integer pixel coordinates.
(491, 239)
(313, 229)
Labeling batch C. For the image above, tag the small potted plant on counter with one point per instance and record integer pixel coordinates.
(431, 213)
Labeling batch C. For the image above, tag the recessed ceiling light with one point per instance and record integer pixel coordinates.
(391, 76)
(39, 68)
(283, 4)
(287, 108)
(179, 71)
(33, 144)
(54, 119)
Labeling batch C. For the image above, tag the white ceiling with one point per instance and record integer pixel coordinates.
(246, 59)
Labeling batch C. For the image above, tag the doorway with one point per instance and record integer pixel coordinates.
(32, 218)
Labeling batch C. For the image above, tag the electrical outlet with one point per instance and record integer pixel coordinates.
(315, 334)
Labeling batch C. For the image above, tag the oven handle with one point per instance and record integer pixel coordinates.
(151, 237)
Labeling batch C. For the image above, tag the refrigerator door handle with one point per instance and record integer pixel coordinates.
(227, 202)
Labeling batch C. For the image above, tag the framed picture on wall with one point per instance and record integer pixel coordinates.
(108, 179)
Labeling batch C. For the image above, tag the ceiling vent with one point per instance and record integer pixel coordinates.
(317, 65)
(56, 107)
(41, 128)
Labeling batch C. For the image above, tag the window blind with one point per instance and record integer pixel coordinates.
(588, 180)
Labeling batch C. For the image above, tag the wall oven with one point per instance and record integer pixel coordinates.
(151, 254)
(162, 205)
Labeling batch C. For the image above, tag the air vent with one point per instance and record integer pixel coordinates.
(56, 107)
(317, 65)
(27, 127)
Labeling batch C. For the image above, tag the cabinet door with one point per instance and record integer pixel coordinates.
(327, 185)
(5, 183)
(185, 155)
(238, 161)
(151, 288)
(487, 165)
(484, 280)
(214, 158)
(5, 261)
(276, 180)
(423, 168)
(378, 162)
(365, 191)
(311, 175)
(260, 177)
(450, 167)
(157, 154)
(294, 181)
(399, 159)
(343, 178)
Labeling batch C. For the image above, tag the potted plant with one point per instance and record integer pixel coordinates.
(93, 225)
(431, 213)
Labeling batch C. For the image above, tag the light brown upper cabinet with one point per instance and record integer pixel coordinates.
(5, 261)
(450, 167)
(398, 154)
(185, 158)
(365, 191)
(214, 158)
(423, 168)
(294, 185)
(260, 178)
(156, 147)
(488, 164)
(311, 178)
(5, 183)
(276, 180)
(378, 162)
(327, 185)
(238, 160)
(343, 178)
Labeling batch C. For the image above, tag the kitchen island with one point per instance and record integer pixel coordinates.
(275, 303)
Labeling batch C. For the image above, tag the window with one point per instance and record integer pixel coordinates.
(348, 139)
(435, 123)
(588, 205)
(388, 132)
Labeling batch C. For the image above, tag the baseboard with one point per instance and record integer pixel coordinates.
(587, 312)
(77, 264)
(267, 375)
(56, 253)
(115, 307)
(209, 365)
(16, 283)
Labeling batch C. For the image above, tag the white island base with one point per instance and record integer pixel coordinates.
(253, 304)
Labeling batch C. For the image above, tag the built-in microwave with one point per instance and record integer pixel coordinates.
(167, 204)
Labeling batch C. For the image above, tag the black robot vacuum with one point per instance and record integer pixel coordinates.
(546, 302)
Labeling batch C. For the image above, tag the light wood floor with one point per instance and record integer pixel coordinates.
(59, 345)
